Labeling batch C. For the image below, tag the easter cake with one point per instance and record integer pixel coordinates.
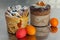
(16, 17)
(40, 14)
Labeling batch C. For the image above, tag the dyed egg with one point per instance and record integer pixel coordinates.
(21, 33)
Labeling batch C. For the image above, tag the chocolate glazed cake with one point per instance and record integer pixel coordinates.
(40, 14)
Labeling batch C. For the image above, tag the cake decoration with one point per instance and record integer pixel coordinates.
(40, 3)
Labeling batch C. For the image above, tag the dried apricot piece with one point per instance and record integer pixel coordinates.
(40, 3)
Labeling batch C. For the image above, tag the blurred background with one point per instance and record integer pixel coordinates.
(53, 3)
(55, 12)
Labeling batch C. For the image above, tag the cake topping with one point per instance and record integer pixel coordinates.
(40, 3)
(18, 7)
(17, 10)
(40, 6)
